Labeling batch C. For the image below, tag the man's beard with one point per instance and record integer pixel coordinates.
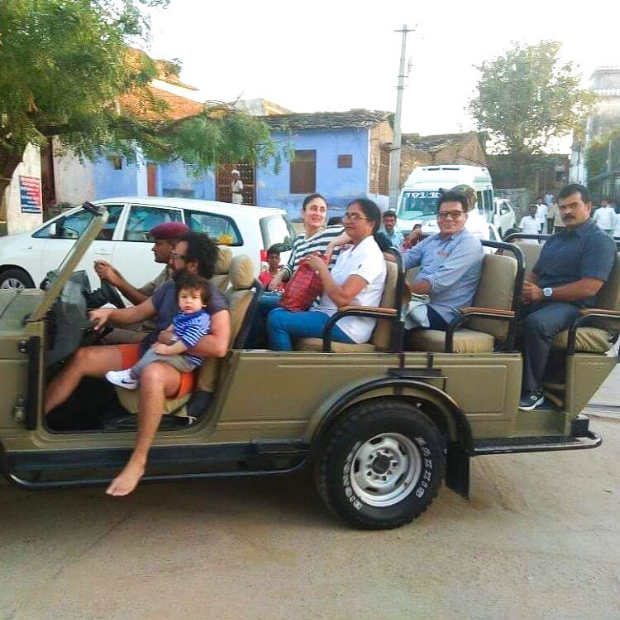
(177, 274)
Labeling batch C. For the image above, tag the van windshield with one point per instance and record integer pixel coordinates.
(416, 204)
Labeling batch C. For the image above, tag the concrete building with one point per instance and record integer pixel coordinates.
(605, 82)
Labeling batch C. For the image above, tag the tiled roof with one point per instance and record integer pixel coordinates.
(438, 141)
(178, 107)
(325, 120)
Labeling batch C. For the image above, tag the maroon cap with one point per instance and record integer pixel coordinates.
(169, 230)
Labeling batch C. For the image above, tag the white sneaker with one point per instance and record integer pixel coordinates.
(122, 378)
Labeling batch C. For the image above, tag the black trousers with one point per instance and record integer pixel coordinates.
(539, 323)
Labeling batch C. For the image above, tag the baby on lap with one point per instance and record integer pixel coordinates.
(188, 327)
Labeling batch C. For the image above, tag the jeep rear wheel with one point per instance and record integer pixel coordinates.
(381, 466)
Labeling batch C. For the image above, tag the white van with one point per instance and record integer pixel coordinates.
(417, 203)
(125, 242)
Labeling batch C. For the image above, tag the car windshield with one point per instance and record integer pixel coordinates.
(277, 229)
(418, 204)
(57, 278)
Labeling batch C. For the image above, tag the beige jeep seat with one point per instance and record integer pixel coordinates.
(598, 336)
(240, 295)
(492, 315)
(222, 267)
(380, 339)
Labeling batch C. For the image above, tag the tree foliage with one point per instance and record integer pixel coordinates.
(527, 98)
(64, 66)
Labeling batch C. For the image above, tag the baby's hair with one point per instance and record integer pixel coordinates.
(193, 282)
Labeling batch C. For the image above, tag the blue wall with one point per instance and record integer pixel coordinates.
(173, 179)
(129, 181)
(338, 185)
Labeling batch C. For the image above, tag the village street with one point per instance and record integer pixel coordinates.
(540, 537)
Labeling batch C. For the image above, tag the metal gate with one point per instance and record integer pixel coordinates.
(224, 179)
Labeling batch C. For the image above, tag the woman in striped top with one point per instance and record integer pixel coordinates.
(315, 238)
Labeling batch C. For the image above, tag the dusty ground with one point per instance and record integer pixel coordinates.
(540, 537)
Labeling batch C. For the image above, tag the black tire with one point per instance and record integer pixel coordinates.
(373, 426)
(15, 275)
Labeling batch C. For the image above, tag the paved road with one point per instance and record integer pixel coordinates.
(540, 537)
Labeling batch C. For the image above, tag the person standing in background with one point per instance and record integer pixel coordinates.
(605, 217)
(236, 188)
(554, 219)
(541, 213)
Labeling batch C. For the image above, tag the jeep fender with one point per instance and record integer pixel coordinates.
(461, 445)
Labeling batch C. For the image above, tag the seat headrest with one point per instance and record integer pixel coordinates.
(222, 266)
(241, 273)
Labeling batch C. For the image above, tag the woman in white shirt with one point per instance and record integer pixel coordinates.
(357, 278)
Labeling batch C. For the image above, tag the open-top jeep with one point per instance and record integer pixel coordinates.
(382, 423)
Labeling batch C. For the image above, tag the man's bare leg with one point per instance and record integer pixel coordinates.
(86, 362)
(157, 381)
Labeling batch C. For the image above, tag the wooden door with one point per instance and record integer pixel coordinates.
(224, 179)
(151, 179)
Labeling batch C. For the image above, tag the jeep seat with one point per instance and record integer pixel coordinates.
(222, 267)
(240, 297)
(489, 320)
(380, 339)
(604, 321)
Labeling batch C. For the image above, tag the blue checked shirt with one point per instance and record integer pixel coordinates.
(451, 266)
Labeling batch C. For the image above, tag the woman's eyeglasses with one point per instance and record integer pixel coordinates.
(353, 217)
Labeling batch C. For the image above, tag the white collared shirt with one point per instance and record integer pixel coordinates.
(366, 261)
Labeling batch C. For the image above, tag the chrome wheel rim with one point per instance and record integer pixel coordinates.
(385, 469)
(12, 283)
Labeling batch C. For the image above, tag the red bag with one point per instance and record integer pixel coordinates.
(302, 289)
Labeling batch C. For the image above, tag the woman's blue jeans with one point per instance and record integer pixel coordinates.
(267, 302)
(283, 326)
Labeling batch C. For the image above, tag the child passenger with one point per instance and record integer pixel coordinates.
(273, 262)
(188, 327)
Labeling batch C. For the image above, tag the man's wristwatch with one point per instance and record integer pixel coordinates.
(547, 292)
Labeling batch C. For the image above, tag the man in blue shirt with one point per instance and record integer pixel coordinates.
(391, 230)
(451, 262)
(572, 267)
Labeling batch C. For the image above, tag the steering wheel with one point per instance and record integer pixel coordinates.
(112, 294)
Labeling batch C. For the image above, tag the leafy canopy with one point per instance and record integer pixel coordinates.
(528, 97)
(65, 66)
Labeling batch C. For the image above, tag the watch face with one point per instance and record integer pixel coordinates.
(547, 292)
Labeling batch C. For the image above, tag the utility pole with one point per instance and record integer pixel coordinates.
(396, 146)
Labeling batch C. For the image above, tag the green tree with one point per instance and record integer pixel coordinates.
(66, 64)
(526, 98)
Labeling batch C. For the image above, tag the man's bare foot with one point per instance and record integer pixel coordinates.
(127, 480)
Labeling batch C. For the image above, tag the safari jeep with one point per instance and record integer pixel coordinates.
(382, 424)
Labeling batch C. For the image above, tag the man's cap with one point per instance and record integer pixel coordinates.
(169, 230)
(235, 172)
(469, 192)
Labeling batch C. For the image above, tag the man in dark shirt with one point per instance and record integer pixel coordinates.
(572, 267)
(195, 253)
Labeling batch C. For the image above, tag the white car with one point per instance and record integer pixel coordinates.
(504, 216)
(124, 242)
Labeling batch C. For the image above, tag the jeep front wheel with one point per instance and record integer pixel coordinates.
(381, 466)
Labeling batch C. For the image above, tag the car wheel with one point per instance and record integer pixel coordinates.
(15, 279)
(381, 466)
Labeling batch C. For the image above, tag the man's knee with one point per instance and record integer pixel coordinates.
(535, 324)
(161, 377)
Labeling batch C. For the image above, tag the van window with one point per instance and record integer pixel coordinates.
(418, 203)
(277, 229)
(220, 228)
(72, 226)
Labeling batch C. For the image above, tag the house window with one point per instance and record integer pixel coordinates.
(117, 162)
(345, 161)
(303, 172)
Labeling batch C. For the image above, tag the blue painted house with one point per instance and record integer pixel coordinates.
(342, 155)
